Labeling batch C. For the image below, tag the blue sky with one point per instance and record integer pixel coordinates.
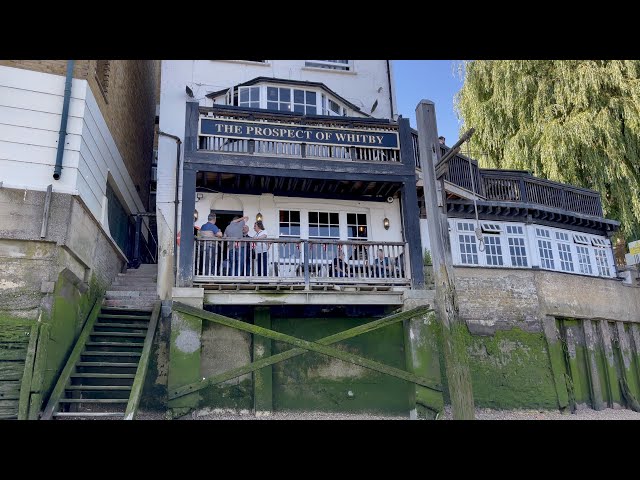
(431, 80)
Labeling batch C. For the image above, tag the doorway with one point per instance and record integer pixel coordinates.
(224, 217)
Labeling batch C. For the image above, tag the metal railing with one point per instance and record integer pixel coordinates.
(144, 248)
(297, 261)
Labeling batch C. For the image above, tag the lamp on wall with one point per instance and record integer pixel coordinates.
(199, 196)
(385, 222)
(259, 217)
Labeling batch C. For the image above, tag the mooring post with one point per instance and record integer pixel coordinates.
(454, 330)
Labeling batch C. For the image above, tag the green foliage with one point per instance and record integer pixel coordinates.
(573, 121)
(427, 257)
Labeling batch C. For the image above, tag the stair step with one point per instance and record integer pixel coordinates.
(88, 414)
(98, 387)
(117, 334)
(89, 353)
(105, 364)
(125, 317)
(123, 325)
(136, 288)
(103, 375)
(114, 344)
(128, 311)
(94, 400)
(131, 293)
(131, 304)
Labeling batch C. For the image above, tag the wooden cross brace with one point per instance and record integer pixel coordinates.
(303, 346)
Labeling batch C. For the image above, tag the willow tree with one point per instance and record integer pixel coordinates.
(573, 121)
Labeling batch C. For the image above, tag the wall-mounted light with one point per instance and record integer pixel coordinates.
(385, 222)
(259, 217)
(199, 196)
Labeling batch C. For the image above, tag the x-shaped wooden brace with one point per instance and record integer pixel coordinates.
(303, 346)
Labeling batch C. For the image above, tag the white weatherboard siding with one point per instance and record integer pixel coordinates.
(30, 113)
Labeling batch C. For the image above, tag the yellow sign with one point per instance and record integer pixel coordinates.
(634, 248)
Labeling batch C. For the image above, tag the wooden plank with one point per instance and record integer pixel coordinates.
(15, 333)
(318, 346)
(13, 351)
(556, 359)
(10, 390)
(58, 390)
(8, 409)
(592, 346)
(34, 406)
(11, 370)
(141, 372)
(611, 377)
(25, 388)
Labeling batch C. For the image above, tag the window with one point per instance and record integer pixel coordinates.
(324, 225)
(602, 262)
(544, 248)
(289, 227)
(279, 99)
(564, 253)
(599, 242)
(467, 244)
(584, 261)
(103, 72)
(515, 230)
(304, 102)
(329, 107)
(249, 97)
(541, 232)
(343, 65)
(517, 251)
(491, 228)
(580, 239)
(493, 250)
(118, 219)
(563, 237)
(357, 226)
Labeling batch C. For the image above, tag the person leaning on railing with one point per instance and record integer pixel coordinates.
(209, 231)
(236, 249)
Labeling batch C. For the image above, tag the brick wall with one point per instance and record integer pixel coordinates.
(129, 106)
(55, 67)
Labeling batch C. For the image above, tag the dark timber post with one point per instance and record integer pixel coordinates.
(185, 270)
(454, 330)
(410, 210)
(263, 378)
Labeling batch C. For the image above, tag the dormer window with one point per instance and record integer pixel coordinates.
(249, 97)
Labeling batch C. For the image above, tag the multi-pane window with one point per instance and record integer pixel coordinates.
(343, 65)
(602, 262)
(580, 239)
(279, 99)
(304, 102)
(584, 261)
(518, 251)
(467, 244)
(357, 226)
(249, 97)
(329, 107)
(515, 230)
(493, 250)
(541, 232)
(289, 227)
(491, 228)
(546, 254)
(564, 253)
(324, 225)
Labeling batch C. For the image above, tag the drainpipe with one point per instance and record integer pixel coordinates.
(390, 91)
(63, 122)
(175, 216)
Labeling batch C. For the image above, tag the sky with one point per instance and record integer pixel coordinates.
(433, 80)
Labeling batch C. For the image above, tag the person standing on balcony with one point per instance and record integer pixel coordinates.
(207, 231)
(382, 265)
(261, 249)
(236, 249)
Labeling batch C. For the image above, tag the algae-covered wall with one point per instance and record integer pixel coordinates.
(317, 382)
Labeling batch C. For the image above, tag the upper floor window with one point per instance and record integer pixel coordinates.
(304, 101)
(279, 99)
(329, 107)
(344, 65)
(357, 226)
(249, 97)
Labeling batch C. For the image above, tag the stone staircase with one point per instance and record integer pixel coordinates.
(135, 289)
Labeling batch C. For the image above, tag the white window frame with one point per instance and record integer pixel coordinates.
(584, 267)
(493, 250)
(250, 88)
(335, 65)
(466, 228)
(358, 225)
(318, 224)
(517, 233)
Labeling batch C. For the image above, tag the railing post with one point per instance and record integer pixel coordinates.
(135, 261)
(523, 191)
(306, 264)
(303, 150)
(252, 147)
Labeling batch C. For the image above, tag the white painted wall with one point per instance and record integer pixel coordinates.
(270, 206)
(360, 87)
(30, 112)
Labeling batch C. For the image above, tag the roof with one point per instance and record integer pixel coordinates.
(284, 81)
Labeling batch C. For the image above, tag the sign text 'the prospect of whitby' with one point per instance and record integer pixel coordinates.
(269, 131)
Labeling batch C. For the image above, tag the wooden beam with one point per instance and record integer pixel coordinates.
(25, 387)
(61, 384)
(141, 372)
(454, 330)
(320, 346)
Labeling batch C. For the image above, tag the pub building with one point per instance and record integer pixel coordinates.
(317, 157)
